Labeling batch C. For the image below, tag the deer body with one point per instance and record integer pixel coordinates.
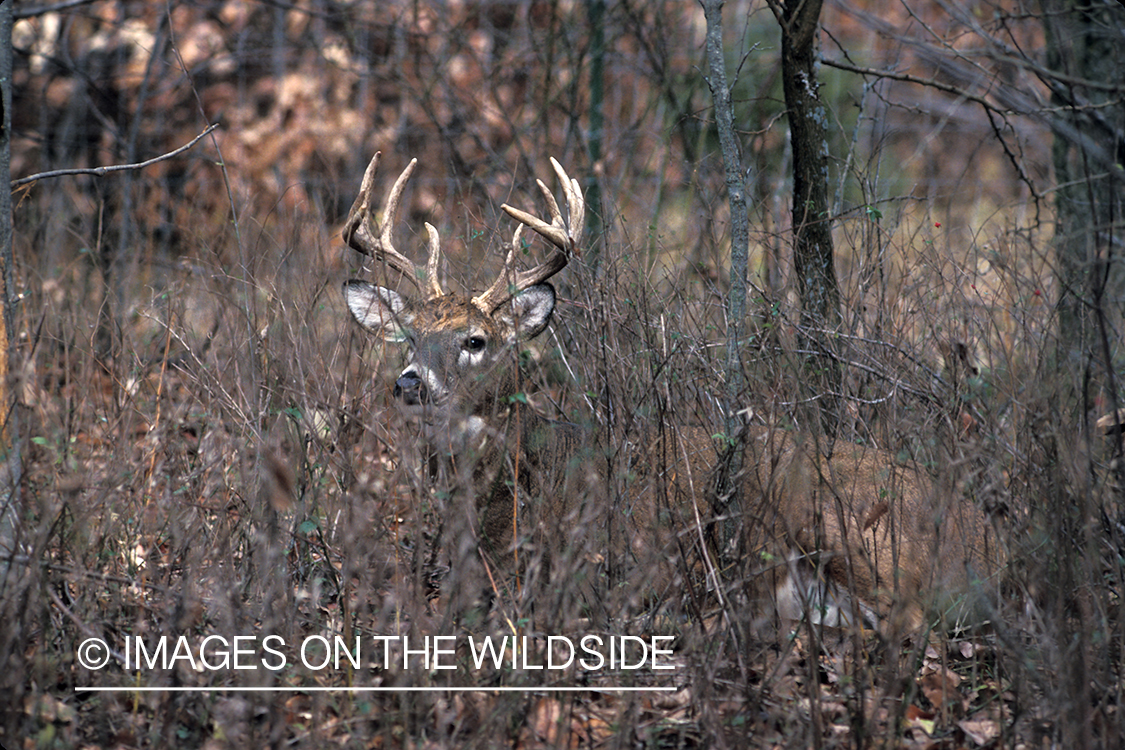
(858, 538)
(907, 547)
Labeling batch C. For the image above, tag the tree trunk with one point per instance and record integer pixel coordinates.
(731, 463)
(595, 222)
(736, 195)
(813, 258)
(9, 440)
(1086, 43)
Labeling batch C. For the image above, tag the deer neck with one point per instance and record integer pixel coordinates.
(499, 426)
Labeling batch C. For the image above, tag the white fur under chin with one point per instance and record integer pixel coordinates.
(470, 431)
(457, 435)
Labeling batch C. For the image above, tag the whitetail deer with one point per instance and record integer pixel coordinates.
(853, 538)
(461, 380)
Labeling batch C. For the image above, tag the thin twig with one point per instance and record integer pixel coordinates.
(102, 171)
(42, 10)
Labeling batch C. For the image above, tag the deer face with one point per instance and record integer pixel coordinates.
(461, 363)
(460, 360)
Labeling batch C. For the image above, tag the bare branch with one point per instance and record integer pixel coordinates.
(42, 10)
(102, 171)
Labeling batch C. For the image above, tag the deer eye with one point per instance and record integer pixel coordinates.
(473, 344)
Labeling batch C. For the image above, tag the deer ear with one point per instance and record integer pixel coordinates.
(528, 314)
(377, 309)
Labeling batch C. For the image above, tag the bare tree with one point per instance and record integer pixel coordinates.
(731, 463)
(1084, 58)
(9, 443)
(813, 259)
(1086, 62)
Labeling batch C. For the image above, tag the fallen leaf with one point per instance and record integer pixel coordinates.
(980, 731)
(940, 687)
(916, 718)
(550, 723)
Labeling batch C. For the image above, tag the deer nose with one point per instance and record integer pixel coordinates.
(410, 389)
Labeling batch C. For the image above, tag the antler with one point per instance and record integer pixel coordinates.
(564, 235)
(359, 235)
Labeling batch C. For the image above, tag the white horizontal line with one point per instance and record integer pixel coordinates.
(321, 689)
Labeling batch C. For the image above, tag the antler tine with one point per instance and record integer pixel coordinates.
(359, 235)
(500, 291)
(565, 238)
(433, 261)
(574, 201)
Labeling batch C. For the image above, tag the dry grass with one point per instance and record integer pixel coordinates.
(239, 469)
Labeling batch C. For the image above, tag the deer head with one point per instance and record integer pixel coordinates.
(461, 358)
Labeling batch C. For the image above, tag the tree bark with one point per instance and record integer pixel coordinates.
(1085, 46)
(9, 438)
(731, 463)
(736, 195)
(813, 256)
(1086, 42)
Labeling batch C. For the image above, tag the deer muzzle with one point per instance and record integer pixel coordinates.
(410, 389)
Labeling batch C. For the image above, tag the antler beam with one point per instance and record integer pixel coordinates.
(378, 243)
(565, 235)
